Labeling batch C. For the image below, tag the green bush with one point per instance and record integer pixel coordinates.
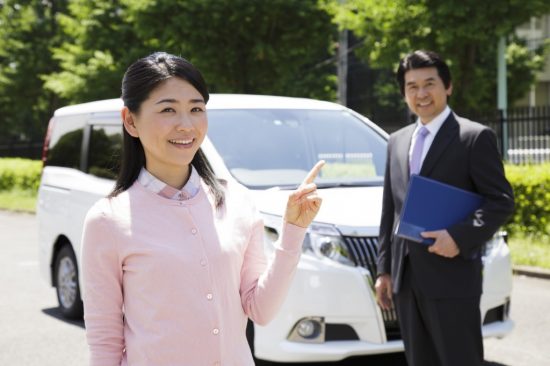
(17, 173)
(531, 184)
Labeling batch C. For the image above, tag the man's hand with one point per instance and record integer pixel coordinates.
(444, 244)
(384, 291)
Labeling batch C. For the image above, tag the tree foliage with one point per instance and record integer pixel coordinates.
(27, 29)
(246, 46)
(100, 43)
(465, 32)
(240, 46)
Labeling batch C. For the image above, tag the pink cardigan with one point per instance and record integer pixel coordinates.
(169, 282)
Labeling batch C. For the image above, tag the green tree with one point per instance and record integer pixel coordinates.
(245, 46)
(27, 29)
(241, 46)
(100, 43)
(465, 32)
(522, 65)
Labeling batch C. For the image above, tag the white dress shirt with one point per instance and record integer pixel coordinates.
(433, 126)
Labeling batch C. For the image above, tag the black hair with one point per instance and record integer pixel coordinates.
(141, 78)
(421, 59)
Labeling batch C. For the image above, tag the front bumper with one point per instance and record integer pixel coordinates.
(343, 295)
(340, 295)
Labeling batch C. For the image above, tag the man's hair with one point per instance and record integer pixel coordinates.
(421, 59)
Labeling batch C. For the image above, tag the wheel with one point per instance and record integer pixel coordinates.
(66, 280)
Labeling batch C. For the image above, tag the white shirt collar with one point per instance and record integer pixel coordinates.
(152, 183)
(433, 127)
(435, 124)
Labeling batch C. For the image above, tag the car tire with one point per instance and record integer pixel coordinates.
(66, 283)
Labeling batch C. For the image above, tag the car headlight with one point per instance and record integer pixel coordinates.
(324, 241)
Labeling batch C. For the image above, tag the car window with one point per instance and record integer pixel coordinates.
(104, 152)
(277, 147)
(66, 141)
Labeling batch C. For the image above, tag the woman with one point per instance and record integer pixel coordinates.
(173, 260)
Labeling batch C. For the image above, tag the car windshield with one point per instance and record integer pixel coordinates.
(265, 148)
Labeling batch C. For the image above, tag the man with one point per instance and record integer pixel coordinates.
(437, 288)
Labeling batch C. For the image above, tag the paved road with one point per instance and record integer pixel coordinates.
(32, 332)
(528, 344)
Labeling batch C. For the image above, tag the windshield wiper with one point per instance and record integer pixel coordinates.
(371, 183)
(325, 185)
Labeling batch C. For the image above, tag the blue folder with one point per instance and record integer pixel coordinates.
(431, 205)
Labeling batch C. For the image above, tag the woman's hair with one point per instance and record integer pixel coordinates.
(141, 78)
(422, 59)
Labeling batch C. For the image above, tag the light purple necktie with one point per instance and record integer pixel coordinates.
(416, 156)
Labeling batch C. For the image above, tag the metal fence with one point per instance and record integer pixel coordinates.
(21, 149)
(523, 133)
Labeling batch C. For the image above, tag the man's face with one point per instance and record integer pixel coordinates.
(425, 93)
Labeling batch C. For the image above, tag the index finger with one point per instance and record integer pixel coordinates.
(427, 234)
(314, 172)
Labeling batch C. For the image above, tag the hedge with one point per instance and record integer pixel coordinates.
(17, 173)
(531, 184)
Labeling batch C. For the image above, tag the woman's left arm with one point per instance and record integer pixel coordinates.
(304, 203)
(264, 288)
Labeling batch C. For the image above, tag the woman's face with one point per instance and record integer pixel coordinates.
(171, 125)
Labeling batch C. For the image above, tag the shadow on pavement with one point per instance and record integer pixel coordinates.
(56, 313)
(391, 359)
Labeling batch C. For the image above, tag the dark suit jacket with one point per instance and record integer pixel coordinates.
(463, 154)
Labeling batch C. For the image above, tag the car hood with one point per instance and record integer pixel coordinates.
(343, 206)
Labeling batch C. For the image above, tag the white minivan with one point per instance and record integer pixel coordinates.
(268, 144)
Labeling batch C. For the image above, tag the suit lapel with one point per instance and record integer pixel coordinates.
(402, 152)
(447, 132)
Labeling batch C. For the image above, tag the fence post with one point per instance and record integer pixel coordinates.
(504, 133)
(502, 93)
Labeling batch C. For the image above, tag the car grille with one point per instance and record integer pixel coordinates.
(363, 252)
